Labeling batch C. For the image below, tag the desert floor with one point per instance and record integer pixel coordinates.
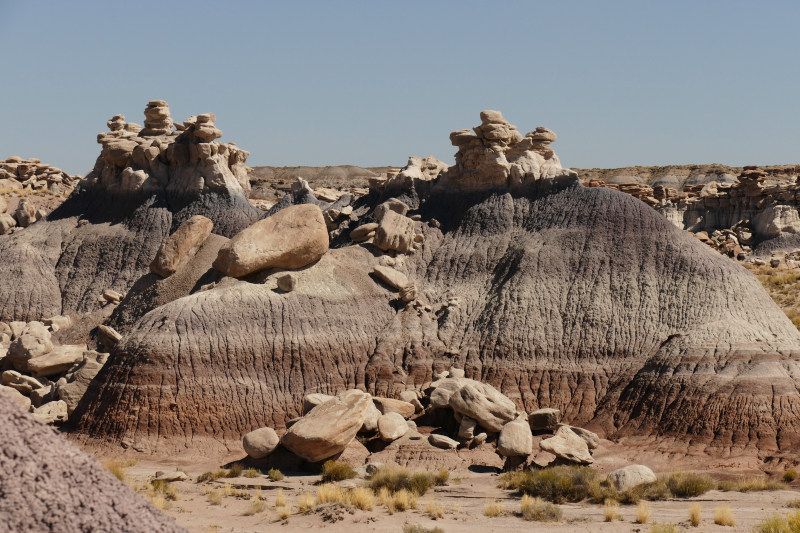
(463, 502)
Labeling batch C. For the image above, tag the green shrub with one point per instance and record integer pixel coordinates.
(275, 474)
(689, 484)
(790, 475)
(558, 484)
(336, 471)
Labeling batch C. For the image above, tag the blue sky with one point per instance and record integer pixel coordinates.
(370, 83)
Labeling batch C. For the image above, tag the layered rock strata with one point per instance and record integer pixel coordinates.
(582, 299)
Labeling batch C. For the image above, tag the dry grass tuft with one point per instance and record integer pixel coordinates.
(280, 498)
(611, 511)
(695, 511)
(257, 506)
(328, 493)
(752, 484)
(395, 479)
(669, 527)
(119, 467)
(536, 509)
(362, 498)
(283, 512)
(434, 510)
(235, 471)
(211, 476)
(643, 513)
(417, 528)
(493, 509)
(275, 474)
(251, 473)
(305, 503)
(336, 471)
(790, 475)
(214, 497)
(723, 516)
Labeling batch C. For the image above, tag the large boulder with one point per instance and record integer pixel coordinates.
(77, 382)
(566, 445)
(291, 238)
(395, 232)
(443, 389)
(542, 419)
(390, 405)
(314, 399)
(260, 443)
(34, 341)
(180, 247)
(392, 426)
(631, 476)
(516, 439)
(329, 428)
(52, 413)
(485, 404)
(58, 361)
(371, 420)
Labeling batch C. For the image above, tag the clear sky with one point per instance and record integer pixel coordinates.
(370, 83)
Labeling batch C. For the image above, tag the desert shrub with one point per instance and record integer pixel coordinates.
(405, 500)
(159, 502)
(119, 467)
(689, 484)
(642, 513)
(723, 516)
(210, 476)
(328, 493)
(164, 489)
(794, 504)
(362, 498)
(663, 528)
(336, 471)
(251, 472)
(695, 512)
(538, 510)
(417, 528)
(558, 484)
(280, 498)
(751, 484)
(512, 480)
(235, 470)
(283, 512)
(395, 479)
(214, 497)
(611, 511)
(493, 509)
(275, 474)
(790, 475)
(257, 506)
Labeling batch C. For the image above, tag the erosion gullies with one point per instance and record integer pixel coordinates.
(559, 295)
(145, 183)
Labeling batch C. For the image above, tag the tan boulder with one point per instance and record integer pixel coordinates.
(393, 204)
(34, 341)
(23, 401)
(591, 438)
(6, 223)
(516, 439)
(291, 238)
(441, 441)
(3, 205)
(392, 426)
(77, 381)
(180, 247)
(411, 397)
(392, 277)
(567, 445)
(395, 232)
(389, 405)
(314, 399)
(631, 476)
(329, 428)
(25, 213)
(485, 404)
(260, 443)
(364, 232)
(287, 282)
(544, 419)
(466, 429)
(20, 382)
(443, 390)
(58, 361)
(52, 413)
(371, 420)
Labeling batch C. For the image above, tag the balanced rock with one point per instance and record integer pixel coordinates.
(389, 405)
(485, 404)
(329, 428)
(260, 443)
(631, 476)
(516, 439)
(392, 426)
(567, 445)
(543, 419)
(291, 238)
(179, 248)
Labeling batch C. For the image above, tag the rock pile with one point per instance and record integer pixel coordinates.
(17, 174)
(479, 412)
(47, 379)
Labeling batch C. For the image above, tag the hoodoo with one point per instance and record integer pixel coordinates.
(508, 269)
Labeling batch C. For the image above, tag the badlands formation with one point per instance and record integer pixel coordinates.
(496, 313)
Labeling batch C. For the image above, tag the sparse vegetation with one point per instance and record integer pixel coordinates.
(417, 528)
(211, 476)
(642, 513)
(164, 490)
(362, 498)
(434, 510)
(336, 471)
(395, 479)
(557, 484)
(275, 474)
(235, 470)
(119, 467)
(776, 523)
(305, 503)
(257, 506)
(538, 510)
(689, 484)
(723, 516)
(611, 511)
(327, 493)
(251, 472)
(751, 484)
(790, 475)
(668, 527)
(794, 504)
(493, 509)
(280, 498)
(214, 497)
(283, 512)
(401, 500)
(695, 512)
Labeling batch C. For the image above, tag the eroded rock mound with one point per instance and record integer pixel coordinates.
(558, 295)
(48, 484)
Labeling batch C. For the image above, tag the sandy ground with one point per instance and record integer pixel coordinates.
(463, 502)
